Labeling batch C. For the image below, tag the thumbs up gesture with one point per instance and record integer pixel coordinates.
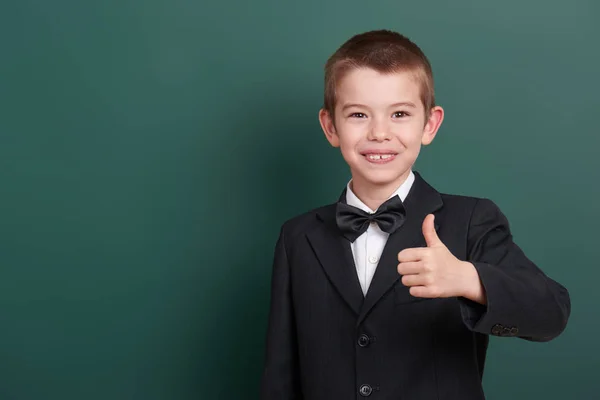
(433, 271)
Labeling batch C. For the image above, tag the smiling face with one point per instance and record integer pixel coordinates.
(380, 124)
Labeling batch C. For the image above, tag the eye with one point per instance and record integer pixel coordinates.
(400, 114)
(357, 115)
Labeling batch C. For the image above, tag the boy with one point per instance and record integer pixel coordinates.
(392, 291)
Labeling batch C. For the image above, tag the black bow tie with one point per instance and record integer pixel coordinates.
(353, 221)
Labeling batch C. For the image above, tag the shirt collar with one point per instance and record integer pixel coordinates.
(402, 192)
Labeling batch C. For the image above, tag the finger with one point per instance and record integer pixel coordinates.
(412, 254)
(410, 267)
(420, 291)
(429, 232)
(412, 280)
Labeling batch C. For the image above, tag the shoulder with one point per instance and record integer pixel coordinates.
(460, 206)
(478, 210)
(467, 202)
(302, 223)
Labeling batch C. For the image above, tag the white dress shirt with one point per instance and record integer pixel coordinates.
(367, 248)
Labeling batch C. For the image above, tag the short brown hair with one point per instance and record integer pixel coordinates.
(384, 51)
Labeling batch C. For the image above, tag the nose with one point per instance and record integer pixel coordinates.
(378, 132)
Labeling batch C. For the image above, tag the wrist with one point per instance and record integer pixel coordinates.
(473, 289)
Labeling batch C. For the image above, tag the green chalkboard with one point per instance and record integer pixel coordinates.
(150, 151)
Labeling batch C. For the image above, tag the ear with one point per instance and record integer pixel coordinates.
(328, 126)
(436, 116)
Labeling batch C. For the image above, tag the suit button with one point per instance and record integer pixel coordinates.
(363, 341)
(497, 329)
(514, 331)
(506, 331)
(365, 390)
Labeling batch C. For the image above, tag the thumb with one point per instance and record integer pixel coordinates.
(429, 232)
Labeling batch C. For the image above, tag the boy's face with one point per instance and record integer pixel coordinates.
(380, 125)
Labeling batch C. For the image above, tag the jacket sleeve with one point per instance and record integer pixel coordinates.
(280, 378)
(521, 300)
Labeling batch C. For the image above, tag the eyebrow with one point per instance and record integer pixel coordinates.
(400, 104)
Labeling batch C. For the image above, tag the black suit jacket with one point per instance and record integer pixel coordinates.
(326, 341)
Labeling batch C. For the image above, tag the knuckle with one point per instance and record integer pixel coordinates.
(425, 255)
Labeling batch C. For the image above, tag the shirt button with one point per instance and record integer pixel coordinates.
(373, 259)
(365, 390)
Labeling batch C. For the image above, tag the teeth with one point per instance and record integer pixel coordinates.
(378, 156)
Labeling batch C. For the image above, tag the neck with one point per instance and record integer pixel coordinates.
(373, 194)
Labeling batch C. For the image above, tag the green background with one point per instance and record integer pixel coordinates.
(150, 151)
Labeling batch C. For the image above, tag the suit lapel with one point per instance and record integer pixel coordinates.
(335, 255)
(420, 201)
